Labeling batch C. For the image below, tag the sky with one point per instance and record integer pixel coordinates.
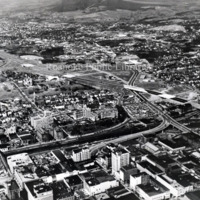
(16, 5)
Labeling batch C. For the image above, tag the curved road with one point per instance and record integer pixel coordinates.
(162, 126)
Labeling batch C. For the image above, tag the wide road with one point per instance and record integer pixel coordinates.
(172, 121)
(134, 77)
(26, 98)
(161, 127)
(70, 141)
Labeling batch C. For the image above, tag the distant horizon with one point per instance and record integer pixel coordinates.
(14, 6)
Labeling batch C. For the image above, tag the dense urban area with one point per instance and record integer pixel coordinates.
(100, 103)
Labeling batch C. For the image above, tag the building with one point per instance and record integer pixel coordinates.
(120, 158)
(78, 115)
(12, 190)
(4, 147)
(98, 182)
(137, 179)
(153, 190)
(151, 148)
(10, 130)
(44, 135)
(104, 161)
(38, 190)
(42, 121)
(107, 113)
(86, 112)
(79, 155)
(28, 81)
(57, 133)
(173, 145)
(175, 188)
(22, 168)
(126, 171)
(61, 191)
(149, 168)
(74, 182)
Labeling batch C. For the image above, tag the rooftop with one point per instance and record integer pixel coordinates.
(73, 180)
(153, 169)
(153, 188)
(60, 190)
(59, 155)
(37, 187)
(120, 150)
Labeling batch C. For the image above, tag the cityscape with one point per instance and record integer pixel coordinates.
(99, 100)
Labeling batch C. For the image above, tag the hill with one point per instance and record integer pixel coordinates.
(13, 6)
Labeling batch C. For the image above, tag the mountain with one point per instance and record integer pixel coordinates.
(10, 6)
(71, 5)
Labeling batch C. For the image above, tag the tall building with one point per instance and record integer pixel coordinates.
(40, 121)
(39, 190)
(120, 158)
(138, 179)
(13, 190)
(79, 155)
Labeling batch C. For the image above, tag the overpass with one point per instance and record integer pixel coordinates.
(159, 94)
(163, 125)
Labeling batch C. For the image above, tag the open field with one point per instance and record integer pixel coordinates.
(15, 63)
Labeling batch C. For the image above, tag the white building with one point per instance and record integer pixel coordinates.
(22, 168)
(98, 182)
(10, 130)
(120, 158)
(175, 189)
(151, 148)
(150, 192)
(79, 155)
(93, 187)
(28, 81)
(42, 121)
(138, 179)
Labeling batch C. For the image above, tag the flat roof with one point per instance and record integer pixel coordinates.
(175, 143)
(153, 169)
(150, 189)
(60, 190)
(193, 195)
(128, 197)
(69, 165)
(152, 146)
(163, 161)
(102, 176)
(37, 187)
(184, 178)
(59, 155)
(153, 188)
(92, 182)
(120, 150)
(73, 180)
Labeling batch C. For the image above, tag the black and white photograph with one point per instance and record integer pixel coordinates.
(99, 99)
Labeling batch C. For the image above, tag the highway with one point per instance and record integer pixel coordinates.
(156, 93)
(172, 121)
(133, 77)
(162, 126)
(70, 141)
(167, 120)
